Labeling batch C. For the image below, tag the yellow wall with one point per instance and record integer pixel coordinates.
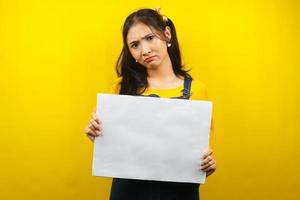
(56, 55)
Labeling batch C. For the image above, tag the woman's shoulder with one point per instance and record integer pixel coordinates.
(116, 86)
(198, 90)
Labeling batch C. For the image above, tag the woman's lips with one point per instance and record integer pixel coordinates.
(149, 59)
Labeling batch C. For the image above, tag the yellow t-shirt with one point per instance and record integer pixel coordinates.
(198, 92)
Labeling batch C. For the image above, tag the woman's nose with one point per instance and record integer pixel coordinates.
(146, 50)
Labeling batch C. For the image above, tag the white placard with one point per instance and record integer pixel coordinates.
(151, 138)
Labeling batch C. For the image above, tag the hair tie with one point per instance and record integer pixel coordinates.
(164, 17)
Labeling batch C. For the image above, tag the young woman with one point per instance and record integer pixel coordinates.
(150, 65)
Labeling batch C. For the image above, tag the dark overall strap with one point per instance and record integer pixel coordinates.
(186, 92)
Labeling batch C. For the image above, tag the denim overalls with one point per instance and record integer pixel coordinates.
(131, 189)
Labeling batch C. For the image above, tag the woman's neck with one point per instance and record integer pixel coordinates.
(163, 76)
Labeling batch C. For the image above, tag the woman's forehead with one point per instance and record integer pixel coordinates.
(138, 31)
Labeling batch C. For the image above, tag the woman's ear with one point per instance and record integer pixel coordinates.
(168, 33)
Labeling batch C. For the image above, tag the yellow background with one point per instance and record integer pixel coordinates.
(56, 55)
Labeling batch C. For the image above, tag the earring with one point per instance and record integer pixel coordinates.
(168, 44)
(136, 61)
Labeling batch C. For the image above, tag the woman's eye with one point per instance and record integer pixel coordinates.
(150, 38)
(134, 46)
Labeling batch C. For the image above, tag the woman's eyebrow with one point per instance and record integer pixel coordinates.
(142, 38)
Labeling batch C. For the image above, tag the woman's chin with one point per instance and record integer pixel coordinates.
(152, 65)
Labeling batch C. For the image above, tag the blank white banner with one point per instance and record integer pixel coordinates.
(151, 138)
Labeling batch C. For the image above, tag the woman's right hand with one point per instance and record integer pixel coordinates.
(93, 128)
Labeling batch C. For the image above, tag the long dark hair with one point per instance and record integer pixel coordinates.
(134, 75)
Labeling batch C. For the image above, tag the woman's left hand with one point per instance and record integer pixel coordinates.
(208, 163)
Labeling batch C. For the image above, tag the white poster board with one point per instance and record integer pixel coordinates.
(151, 138)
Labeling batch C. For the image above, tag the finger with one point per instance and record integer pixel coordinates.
(94, 133)
(96, 118)
(207, 153)
(96, 128)
(86, 130)
(92, 138)
(206, 160)
(98, 132)
(209, 166)
(211, 170)
(202, 166)
(90, 130)
(95, 125)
